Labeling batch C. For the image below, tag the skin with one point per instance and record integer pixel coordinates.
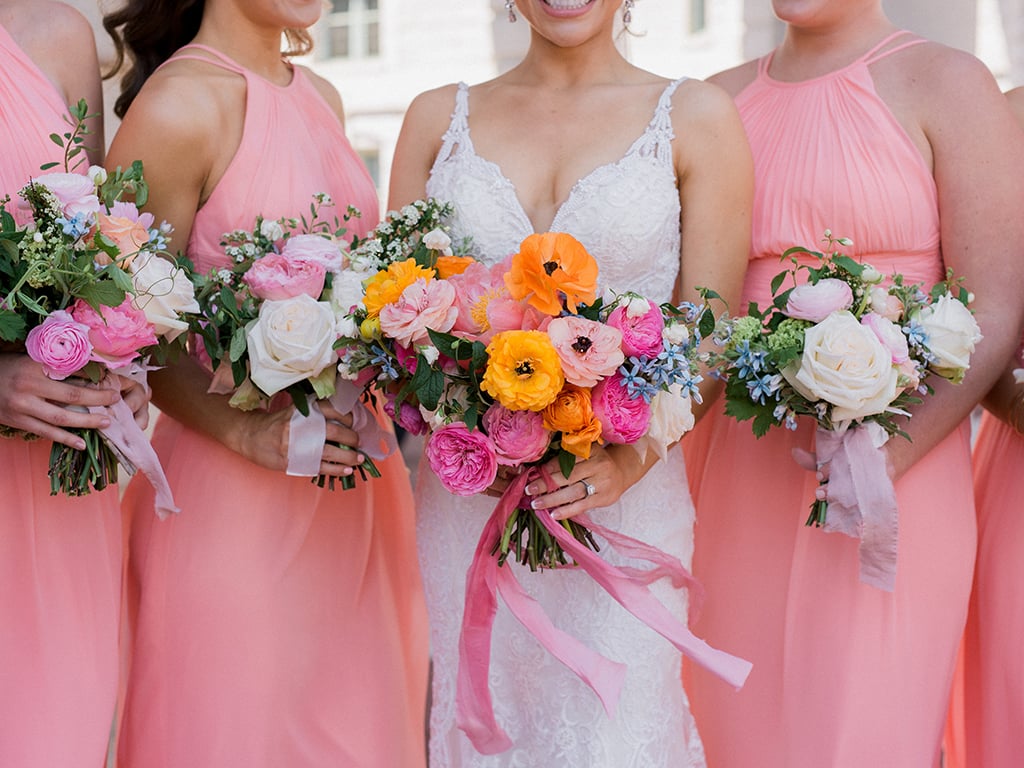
(977, 163)
(60, 42)
(186, 125)
(572, 79)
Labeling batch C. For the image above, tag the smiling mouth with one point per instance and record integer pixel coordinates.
(567, 5)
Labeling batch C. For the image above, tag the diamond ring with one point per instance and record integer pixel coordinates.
(590, 490)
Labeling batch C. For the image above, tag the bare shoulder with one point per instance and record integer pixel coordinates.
(699, 106)
(941, 77)
(734, 80)
(49, 31)
(431, 111)
(1015, 99)
(326, 90)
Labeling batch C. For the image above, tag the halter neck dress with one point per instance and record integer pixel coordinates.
(844, 674)
(278, 623)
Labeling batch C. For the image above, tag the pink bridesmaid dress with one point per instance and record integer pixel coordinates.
(845, 675)
(60, 557)
(994, 641)
(278, 624)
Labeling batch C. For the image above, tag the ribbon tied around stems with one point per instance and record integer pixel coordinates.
(308, 433)
(861, 496)
(629, 586)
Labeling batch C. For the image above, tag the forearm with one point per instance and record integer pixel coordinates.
(1005, 400)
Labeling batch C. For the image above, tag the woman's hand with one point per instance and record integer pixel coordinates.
(136, 396)
(31, 401)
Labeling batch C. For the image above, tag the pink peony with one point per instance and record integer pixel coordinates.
(422, 305)
(407, 416)
(475, 287)
(74, 192)
(464, 461)
(890, 335)
(623, 419)
(313, 248)
(641, 333)
(818, 301)
(60, 344)
(116, 333)
(589, 351)
(275, 277)
(519, 437)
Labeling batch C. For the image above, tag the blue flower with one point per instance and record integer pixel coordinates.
(917, 336)
(74, 227)
(762, 387)
(382, 359)
(634, 381)
(749, 362)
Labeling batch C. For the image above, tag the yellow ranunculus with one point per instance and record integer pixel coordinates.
(523, 370)
(571, 414)
(385, 287)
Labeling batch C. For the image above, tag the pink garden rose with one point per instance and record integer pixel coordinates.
(116, 333)
(641, 330)
(885, 304)
(818, 301)
(275, 277)
(60, 344)
(890, 335)
(519, 437)
(407, 416)
(422, 305)
(623, 419)
(313, 248)
(126, 227)
(463, 460)
(75, 193)
(589, 351)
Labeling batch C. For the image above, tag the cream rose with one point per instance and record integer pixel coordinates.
(164, 293)
(671, 418)
(952, 334)
(844, 363)
(291, 340)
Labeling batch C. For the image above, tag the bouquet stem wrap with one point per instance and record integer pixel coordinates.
(861, 496)
(628, 586)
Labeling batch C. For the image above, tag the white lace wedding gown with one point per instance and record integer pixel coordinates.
(627, 215)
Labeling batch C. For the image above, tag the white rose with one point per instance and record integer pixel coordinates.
(885, 304)
(164, 293)
(437, 240)
(952, 333)
(671, 418)
(675, 333)
(638, 306)
(347, 290)
(271, 230)
(347, 327)
(291, 340)
(844, 363)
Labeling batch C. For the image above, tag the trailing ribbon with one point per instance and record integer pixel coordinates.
(629, 586)
(861, 496)
(308, 433)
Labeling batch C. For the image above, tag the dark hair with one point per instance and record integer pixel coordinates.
(148, 32)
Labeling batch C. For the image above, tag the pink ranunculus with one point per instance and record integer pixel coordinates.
(519, 437)
(75, 193)
(641, 333)
(60, 344)
(313, 248)
(407, 416)
(623, 419)
(589, 351)
(275, 277)
(464, 461)
(422, 305)
(818, 301)
(116, 333)
(890, 335)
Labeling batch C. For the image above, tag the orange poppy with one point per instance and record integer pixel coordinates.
(551, 268)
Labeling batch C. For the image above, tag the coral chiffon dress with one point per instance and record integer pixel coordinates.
(60, 557)
(845, 675)
(278, 623)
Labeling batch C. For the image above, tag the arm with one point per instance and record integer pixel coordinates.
(425, 122)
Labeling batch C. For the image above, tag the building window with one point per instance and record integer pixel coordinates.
(698, 16)
(353, 29)
(371, 159)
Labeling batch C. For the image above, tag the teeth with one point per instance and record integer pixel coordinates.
(567, 5)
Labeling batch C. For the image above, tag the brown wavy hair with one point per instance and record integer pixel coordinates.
(147, 32)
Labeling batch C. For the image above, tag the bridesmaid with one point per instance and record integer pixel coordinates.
(59, 556)
(277, 623)
(859, 128)
(994, 669)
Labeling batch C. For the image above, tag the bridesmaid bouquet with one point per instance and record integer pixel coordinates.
(87, 292)
(268, 325)
(852, 354)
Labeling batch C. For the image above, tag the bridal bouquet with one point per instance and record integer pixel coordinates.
(268, 325)
(853, 354)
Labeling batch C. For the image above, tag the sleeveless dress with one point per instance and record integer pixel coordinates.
(627, 215)
(994, 669)
(60, 557)
(278, 624)
(845, 675)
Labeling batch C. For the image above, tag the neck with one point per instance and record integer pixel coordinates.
(813, 50)
(547, 64)
(256, 48)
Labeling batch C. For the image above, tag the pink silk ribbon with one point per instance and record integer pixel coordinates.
(861, 497)
(628, 586)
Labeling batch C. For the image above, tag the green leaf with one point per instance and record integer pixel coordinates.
(12, 326)
(763, 421)
(102, 293)
(566, 461)
(855, 268)
(472, 416)
(445, 342)
(238, 345)
(9, 248)
(706, 324)
(778, 280)
(56, 139)
(299, 399)
(429, 393)
(48, 166)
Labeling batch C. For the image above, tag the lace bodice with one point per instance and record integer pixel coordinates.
(618, 210)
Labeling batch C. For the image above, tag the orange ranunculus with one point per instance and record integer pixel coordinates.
(385, 287)
(523, 370)
(550, 267)
(447, 266)
(571, 414)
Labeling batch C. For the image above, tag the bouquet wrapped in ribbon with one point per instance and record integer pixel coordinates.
(853, 350)
(512, 366)
(268, 324)
(87, 292)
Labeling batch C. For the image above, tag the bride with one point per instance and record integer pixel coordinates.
(654, 178)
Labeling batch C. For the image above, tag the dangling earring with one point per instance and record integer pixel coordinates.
(510, 6)
(627, 12)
